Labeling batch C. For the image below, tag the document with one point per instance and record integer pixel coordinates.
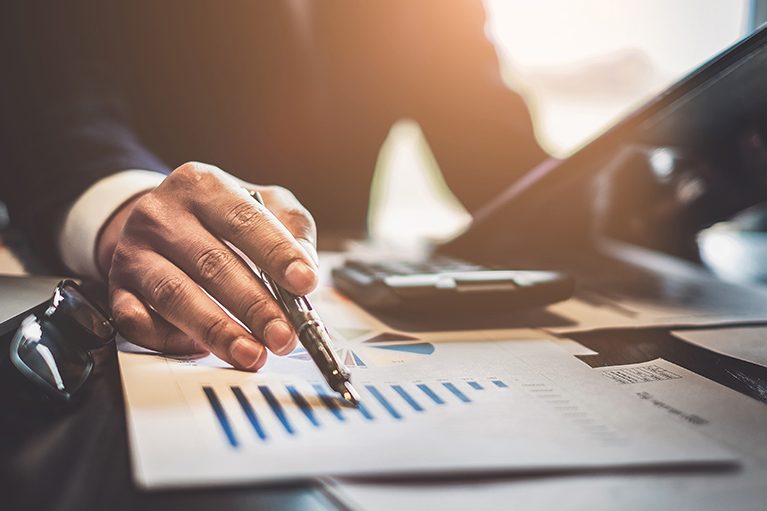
(637, 288)
(435, 403)
(696, 403)
(746, 343)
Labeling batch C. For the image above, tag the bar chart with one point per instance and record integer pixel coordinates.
(431, 403)
(289, 410)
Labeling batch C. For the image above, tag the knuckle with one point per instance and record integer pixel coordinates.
(165, 342)
(279, 249)
(280, 192)
(168, 290)
(146, 206)
(129, 320)
(257, 311)
(216, 330)
(125, 262)
(214, 262)
(122, 257)
(187, 171)
(282, 198)
(243, 217)
(300, 219)
(193, 174)
(146, 215)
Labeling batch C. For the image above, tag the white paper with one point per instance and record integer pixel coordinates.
(722, 415)
(747, 343)
(500, 406)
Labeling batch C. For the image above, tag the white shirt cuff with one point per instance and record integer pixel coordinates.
(88, 214)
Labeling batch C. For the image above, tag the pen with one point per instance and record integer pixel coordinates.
(312, 334)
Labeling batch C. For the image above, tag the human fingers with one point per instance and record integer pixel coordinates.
(293, 215)
(144, 327)
(229, 280)
(181, 302)
(231, 214)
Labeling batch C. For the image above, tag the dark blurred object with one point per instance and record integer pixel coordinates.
(660, 197)
(50, 354)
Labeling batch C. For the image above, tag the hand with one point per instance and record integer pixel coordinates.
(168, 265)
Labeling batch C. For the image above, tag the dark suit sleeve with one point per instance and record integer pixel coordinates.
(64, 125)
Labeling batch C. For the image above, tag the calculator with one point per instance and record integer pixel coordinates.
(444, 284)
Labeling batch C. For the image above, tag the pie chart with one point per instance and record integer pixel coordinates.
(366, 348)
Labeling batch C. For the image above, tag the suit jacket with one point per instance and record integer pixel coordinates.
(305, 99)
(271, 91)
(62, 125)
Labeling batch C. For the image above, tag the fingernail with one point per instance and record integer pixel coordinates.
(278, 334)
(245, 352)
(300, 276)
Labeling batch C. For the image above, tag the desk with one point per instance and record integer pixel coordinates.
(79, 460)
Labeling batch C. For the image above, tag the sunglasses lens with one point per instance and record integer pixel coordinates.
(40, 354)
(72, 303)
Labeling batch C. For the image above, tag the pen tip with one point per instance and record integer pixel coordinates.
(350, 394)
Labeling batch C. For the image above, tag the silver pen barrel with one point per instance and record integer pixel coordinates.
(312, 333)
(314, 337)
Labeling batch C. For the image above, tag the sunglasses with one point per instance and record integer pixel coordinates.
(51, 350)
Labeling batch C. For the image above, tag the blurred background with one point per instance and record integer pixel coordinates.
(581, 66)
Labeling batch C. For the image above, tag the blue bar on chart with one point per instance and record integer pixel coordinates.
(276, 408)
(456, 392)
(475, 385)
(250, 413)
(364, 411)
(223, 420)
(407, 397)
(303, 405)
(329, 402)
(499, 383)
(384, 402)
(432, 395)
